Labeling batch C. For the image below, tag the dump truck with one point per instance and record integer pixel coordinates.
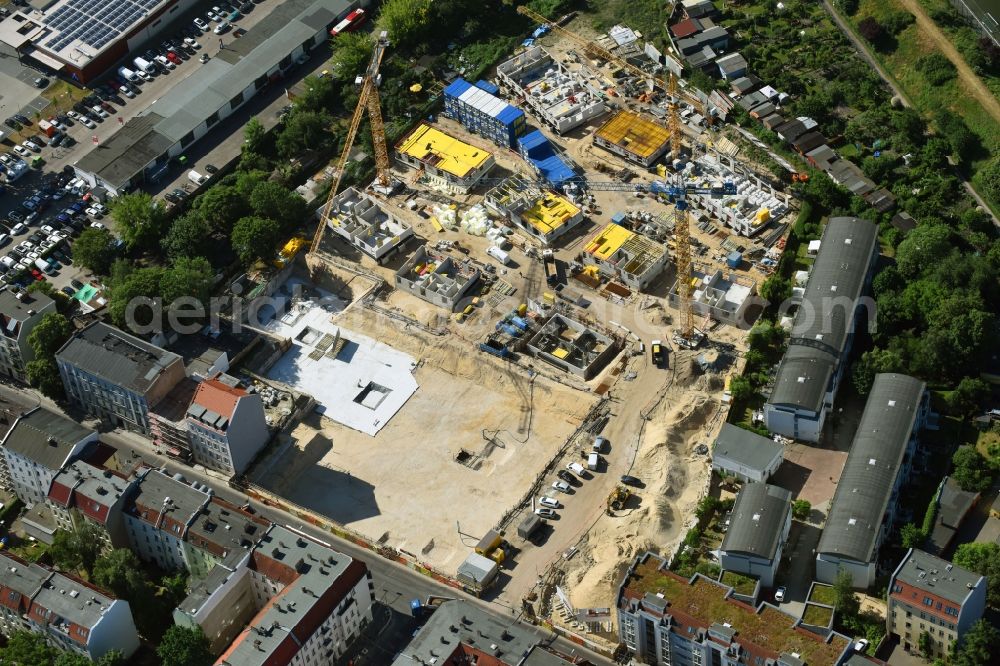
(657, 352)
(551, 270)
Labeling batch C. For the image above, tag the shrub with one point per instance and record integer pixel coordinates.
(936, 68)
(870, 29)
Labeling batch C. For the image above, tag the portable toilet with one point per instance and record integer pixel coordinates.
(734, 260)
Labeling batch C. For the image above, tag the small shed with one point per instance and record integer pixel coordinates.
(528, 526)
(734, 260)
(477, 572)
(618, 218)
(814, 247)
(746, 454)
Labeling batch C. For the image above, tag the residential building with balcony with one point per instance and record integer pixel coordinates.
(72, 615)
(117, 376)
(85, 494)
(20, 312)
(928, 595)
(864, 508)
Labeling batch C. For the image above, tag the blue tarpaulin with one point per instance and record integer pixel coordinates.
(537, 149)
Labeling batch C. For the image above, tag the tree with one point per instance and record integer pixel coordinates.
(77, 549)
(912, 536)
(351, 52)
(871, 363)
(776, 289)
(49, 335)
(847, 602)
(95, 249)
(740, 388)
(143, 283)
(275, 202)
(968, 395)
(112, 658)
(923, 248)
(896, 22)
(188, 235)
(45, 287)
(962, 141)
(318, 94)
(183, 646)
(406, 21)
(989, 176)
(970, 469)
(925, 645)
(870, 29)
(936, 68)
(189, 276)
(978, 646)
(44, 375)
(304, 130)
(120, 572)
(255, 237)
(254, 136)
(801, 509)
(983, 558)
(139, 218)
(27, 648)
(221, 206)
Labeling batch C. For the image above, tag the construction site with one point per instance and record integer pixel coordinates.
(471, 322)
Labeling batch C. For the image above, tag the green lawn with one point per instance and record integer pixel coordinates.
(823, 594)
(818, 616)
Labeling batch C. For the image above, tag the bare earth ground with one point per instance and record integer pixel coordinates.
(972, 82)
(404, 486)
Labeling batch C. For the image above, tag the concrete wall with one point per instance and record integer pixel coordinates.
(828, 566)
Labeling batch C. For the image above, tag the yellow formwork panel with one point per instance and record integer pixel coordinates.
(634, 133)
(444, 152)
(608, 241)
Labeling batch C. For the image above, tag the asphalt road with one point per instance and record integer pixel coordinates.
(395, 585)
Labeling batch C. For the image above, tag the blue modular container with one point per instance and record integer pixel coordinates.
(483, 113)
(487, 86)
(520, 323)
(508, 329)
(734, 260)
(539, 152)
(618, 218)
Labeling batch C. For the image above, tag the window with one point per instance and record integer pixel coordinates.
(928, 601)
(236, 101)
(212, 119)
(897, 588)
(187, 139)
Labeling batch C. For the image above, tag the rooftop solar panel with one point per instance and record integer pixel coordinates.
(94, 22)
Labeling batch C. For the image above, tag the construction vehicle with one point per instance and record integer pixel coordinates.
(368, 99)
(619, 495)
(551, 271)
(657, 353)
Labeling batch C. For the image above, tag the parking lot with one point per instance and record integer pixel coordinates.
(112, 103)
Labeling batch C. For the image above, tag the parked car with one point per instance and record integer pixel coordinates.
(11, 123)
(76, 283)
(96, 225)
(93, 212)
(126, 91)
(200, 24)
(22, 151)
(568, 478)
(779, 594)
(545, 513)
(545, 500)
(191, 43)
(69, 291)
(41, 82)
(22, 119)
(561, 486)
(15, 217)
(173, 57)
(18, 229)
(222, 27)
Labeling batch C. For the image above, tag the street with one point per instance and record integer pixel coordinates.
(395, 585)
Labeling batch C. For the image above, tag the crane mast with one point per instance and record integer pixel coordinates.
(368, 99)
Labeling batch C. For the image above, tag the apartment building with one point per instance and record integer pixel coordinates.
(745, 454)
(822, 334)
(38, 446)
(302, 602)
(928, 595)
(117, 376)
(758, 532)
(83, 493)
(217, 531)
(366, 224)
(667, 620)
(864, 507)
(226, 425)
(72, 615)
(158, 516)
(20, 312)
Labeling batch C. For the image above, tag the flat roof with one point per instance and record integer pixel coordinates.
(873, 463)
(634, 133)
(135, 145)
(698, 603)
(45, 437)
(744, 447)
(442, 151)
(549, 213)
(937, 576)
(15, 311)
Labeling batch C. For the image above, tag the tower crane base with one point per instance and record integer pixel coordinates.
(386, 190)
(692, 341)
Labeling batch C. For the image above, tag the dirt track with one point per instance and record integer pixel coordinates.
(965, 73)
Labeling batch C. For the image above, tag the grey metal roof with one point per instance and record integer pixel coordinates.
(129, 150)
(217, 576)
(225, 527)
(744, 447)
(117, 357)
(872, 465)
(758, 516)
(459, 622)
(825, 316)
(100, 486)
(944, 579)
(15, 311)
(476, 568)
(953, 505)
(156, 488)
(68, 598)
(45, 437)
(26, 579)
(803, 377)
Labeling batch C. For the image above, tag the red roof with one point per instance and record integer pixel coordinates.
(60, 494)
(218, 397)
(685, 28)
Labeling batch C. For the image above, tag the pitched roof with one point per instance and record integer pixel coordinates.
(759, 515)
(214, 403)
(953, 505)
(744, 447)
(162, 498)
(117, 357)
(93, 490)
(874, 461)
(45, 437)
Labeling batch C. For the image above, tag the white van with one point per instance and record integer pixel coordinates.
(498, 254)
(43, 265)
(145, 66)
(128, 75)
(196, 177)
(593, 460)
(599, 444)
(577, 469)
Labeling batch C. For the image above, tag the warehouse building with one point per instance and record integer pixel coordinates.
(141, 150)
(483, 113)
(633, 137)
(437, 278)
(864, 508)
(561, 99)
(823, 331)
(444, 158)
(758, 531)
(365, 224)
(667, 620)
(626, 256)
(573, 347)
(542, 214)
(81, 39)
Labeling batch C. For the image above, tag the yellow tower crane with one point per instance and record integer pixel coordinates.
(682, 230)
(367, 99)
